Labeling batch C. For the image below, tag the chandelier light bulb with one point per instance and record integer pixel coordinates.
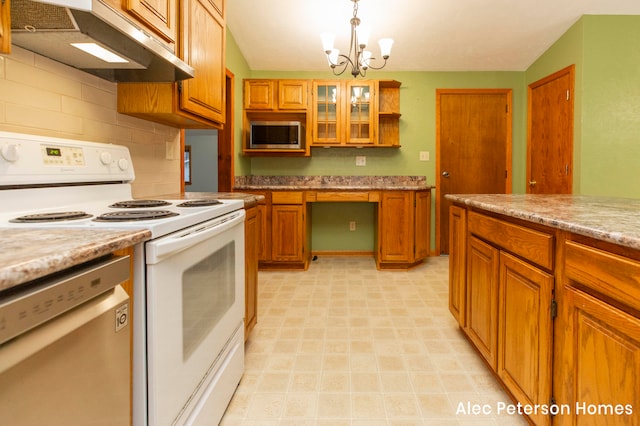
(328, 40)
(363, 36)
(366, 58)
(333, 57)
(385, 47)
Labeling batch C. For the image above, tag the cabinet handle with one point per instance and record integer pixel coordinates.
(532, 183)
(445, 174)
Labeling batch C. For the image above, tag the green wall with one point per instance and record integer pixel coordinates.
(606, 53)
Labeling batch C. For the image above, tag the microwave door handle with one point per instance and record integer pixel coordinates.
(172, 244)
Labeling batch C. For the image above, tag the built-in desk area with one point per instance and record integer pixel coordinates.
(402, 215)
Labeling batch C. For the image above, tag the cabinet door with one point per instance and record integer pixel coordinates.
(603, 362)
(292, 94)
(158, 15)
(360, 104)
(482, 298)
(287, 233)
(251, 235)
(203, 47)
(5, 27)
(327, 113)
(395, 226)
(525, 333)
(457, 262)
(422, 224)
(258, 94)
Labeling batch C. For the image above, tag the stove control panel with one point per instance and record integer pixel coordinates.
(31, 160)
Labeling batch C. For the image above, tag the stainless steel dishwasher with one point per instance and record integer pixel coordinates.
(65, 348)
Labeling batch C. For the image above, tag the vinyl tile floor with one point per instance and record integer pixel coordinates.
(345, 344)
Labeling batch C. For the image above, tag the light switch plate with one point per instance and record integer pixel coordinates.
(361, 160)
(424, 155)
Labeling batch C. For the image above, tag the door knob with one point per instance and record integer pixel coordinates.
(532, 183)
(445, 174)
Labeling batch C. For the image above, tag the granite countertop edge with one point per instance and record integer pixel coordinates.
(609, 219)
(32, 253)
(329, 187)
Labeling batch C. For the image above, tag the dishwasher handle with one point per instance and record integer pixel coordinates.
(164, 247)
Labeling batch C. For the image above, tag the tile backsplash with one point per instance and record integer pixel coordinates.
(43, 97)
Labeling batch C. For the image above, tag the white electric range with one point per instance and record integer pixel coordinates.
(189, 278)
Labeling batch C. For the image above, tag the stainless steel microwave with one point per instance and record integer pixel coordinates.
(275, 135)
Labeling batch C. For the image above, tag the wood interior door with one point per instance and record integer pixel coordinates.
(550, 134)
(473, 148)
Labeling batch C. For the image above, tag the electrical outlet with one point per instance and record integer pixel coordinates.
(352, 225)
(361, 160)
(424, 155)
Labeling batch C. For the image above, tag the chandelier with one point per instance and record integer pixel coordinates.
(358, 58)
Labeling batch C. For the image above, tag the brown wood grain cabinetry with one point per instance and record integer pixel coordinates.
(276, 100)
(160, 16)
(597, 360)
(482, 298)
(457, 263)
(198, 102)
(501, 275)
(276, 95)
(5, 26)
(525, 332)
(251, 241)
(403, 234)
(555, 315)
(290, 236)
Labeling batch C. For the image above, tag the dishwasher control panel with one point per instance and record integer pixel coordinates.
(40, 301)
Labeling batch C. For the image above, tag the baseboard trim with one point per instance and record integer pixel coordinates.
(342, 253)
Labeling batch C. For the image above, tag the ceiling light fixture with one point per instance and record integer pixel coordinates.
(359, 58)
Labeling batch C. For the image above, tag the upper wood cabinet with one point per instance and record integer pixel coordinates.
(356, 113)
(198, 102)
(276, 95)
(158, 15)
(5, 27)
(344, 113)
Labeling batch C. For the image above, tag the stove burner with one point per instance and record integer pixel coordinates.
(51, 217)
(129, 204)
(199, 203)
(134, 215)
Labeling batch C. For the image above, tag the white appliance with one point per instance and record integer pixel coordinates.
(188, 301)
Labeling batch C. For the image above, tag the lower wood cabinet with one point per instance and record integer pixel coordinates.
(457, 263)
(555, 315)
(525, 332)
(404, 228)
(597, 360)
(251, 241)
(284, 217)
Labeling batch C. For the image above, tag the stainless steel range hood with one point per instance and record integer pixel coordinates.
(47, 27)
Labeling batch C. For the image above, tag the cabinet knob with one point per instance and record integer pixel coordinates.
(445, 174)
(532, 183)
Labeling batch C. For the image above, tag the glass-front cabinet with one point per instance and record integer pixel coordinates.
(360, 124)
(327, 112)
(343, 113)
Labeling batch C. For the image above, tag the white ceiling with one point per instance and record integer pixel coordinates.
(429, 35)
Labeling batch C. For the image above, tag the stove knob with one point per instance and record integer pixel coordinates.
(10, 152)
(105, 158)
(123, 163)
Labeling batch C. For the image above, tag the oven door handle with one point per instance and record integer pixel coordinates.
(179, 241)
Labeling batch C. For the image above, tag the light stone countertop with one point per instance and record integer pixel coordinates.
(31, 253)
(616, 220)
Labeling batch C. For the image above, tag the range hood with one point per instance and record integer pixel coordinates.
(48, 27)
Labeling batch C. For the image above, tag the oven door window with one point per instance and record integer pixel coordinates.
(208, 293)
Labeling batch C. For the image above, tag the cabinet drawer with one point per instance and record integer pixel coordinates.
(288, 197)
(342, 196)
(609, 274)
(535, 246)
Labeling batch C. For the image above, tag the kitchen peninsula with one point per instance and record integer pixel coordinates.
(547, 289)
(403, 215)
